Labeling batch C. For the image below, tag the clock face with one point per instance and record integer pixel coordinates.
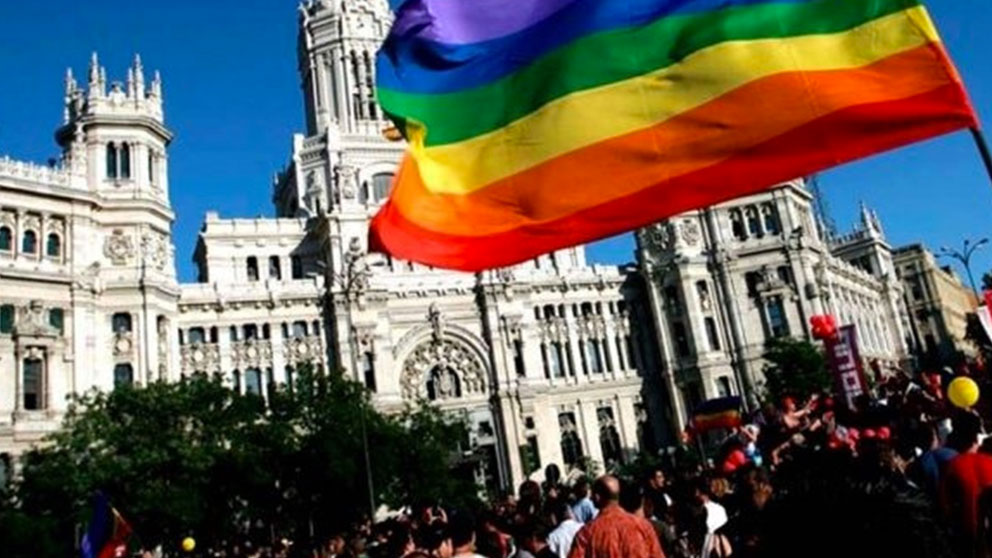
(302, 349)
(252, 352)
(198, 356)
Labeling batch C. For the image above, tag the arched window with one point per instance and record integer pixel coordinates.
(252, 265)
(443, 383)
(609, 438)
(29, 243)
(6, 318)
(123, 375)
(197, 335)
(297, 265)
(381, 185)
(53, 247)
(151, 166)
(56, 318)
(737, 224)
(772, 225)
(368, 370)
(111, 160)
(125, 160)
(121, 322)
(299, 329)
(753, 221)
(571, 445)
(31, 382)
(275, 268)
(6, 242)
(253, 381)
(363, 192)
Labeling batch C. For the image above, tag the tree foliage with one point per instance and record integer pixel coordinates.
(195, 458)
(794, 367)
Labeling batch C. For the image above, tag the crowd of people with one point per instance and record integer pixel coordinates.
(902, 473)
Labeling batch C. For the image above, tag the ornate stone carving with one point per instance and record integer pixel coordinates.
(304, 349)
(118, 247)
(690, 232)
(658, 238)
(163, 348)
(123, 345)
(436, 319)
(33, 321)
(200, 357)
(155, 250)
(31, 222)
(452, 368)
(346, 180)
(253, 353)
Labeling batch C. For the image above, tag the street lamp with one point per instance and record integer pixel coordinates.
(964, 256)
(353, 281)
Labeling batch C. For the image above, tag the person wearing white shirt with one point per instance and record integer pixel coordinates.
(560, 539)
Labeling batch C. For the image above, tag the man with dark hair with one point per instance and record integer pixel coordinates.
(583, 510)
(614, 533)
(462, 529)
(532, 540)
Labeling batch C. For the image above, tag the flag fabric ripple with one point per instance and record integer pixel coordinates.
(534, 125)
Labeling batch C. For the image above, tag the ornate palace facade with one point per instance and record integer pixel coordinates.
(551, 361)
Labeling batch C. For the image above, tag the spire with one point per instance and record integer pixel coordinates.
(94, 70)
(157, 85)
(139, 77)
(70, 83)
(130, 84)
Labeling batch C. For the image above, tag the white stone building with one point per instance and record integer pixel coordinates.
(554, 358)
(725, 279)
(549, 356)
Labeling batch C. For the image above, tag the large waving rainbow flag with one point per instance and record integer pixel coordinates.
(534, 125)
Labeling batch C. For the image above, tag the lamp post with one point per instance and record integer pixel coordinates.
(964, 256)
(353, 281)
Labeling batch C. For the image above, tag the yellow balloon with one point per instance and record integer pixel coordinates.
(963, 392)
(189, 544)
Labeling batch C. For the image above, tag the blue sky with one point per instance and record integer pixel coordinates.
(233, 99)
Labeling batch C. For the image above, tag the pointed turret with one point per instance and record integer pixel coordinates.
(130, 84)
(156, 90)
(94, 81)
(139, 77)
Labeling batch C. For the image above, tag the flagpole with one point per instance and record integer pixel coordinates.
(983, 149)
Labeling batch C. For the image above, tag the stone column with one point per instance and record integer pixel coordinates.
(589, 428)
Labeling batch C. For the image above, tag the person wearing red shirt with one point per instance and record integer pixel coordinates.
(615, 533)
(967, 477)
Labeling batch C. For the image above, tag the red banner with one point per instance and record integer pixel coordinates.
(845, 361)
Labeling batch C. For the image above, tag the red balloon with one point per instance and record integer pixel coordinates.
(884, 433)
(869, 433)
(735, 460)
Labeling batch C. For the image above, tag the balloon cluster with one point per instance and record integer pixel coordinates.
(824, 326)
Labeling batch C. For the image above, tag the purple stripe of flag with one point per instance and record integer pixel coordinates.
(472, 21)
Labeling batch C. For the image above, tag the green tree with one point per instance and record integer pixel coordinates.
(195, 458)
(794, 367)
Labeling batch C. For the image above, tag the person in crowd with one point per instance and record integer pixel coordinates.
(463, 536)
(614, 533)
(560, 539)
(532, 540)
(967, 477)
(584, 510)
(929, 467)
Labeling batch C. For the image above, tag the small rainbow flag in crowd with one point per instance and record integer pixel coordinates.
(107, 534)
(724, 412)
(535, 125)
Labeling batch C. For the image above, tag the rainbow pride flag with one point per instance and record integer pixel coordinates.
(535, 125)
